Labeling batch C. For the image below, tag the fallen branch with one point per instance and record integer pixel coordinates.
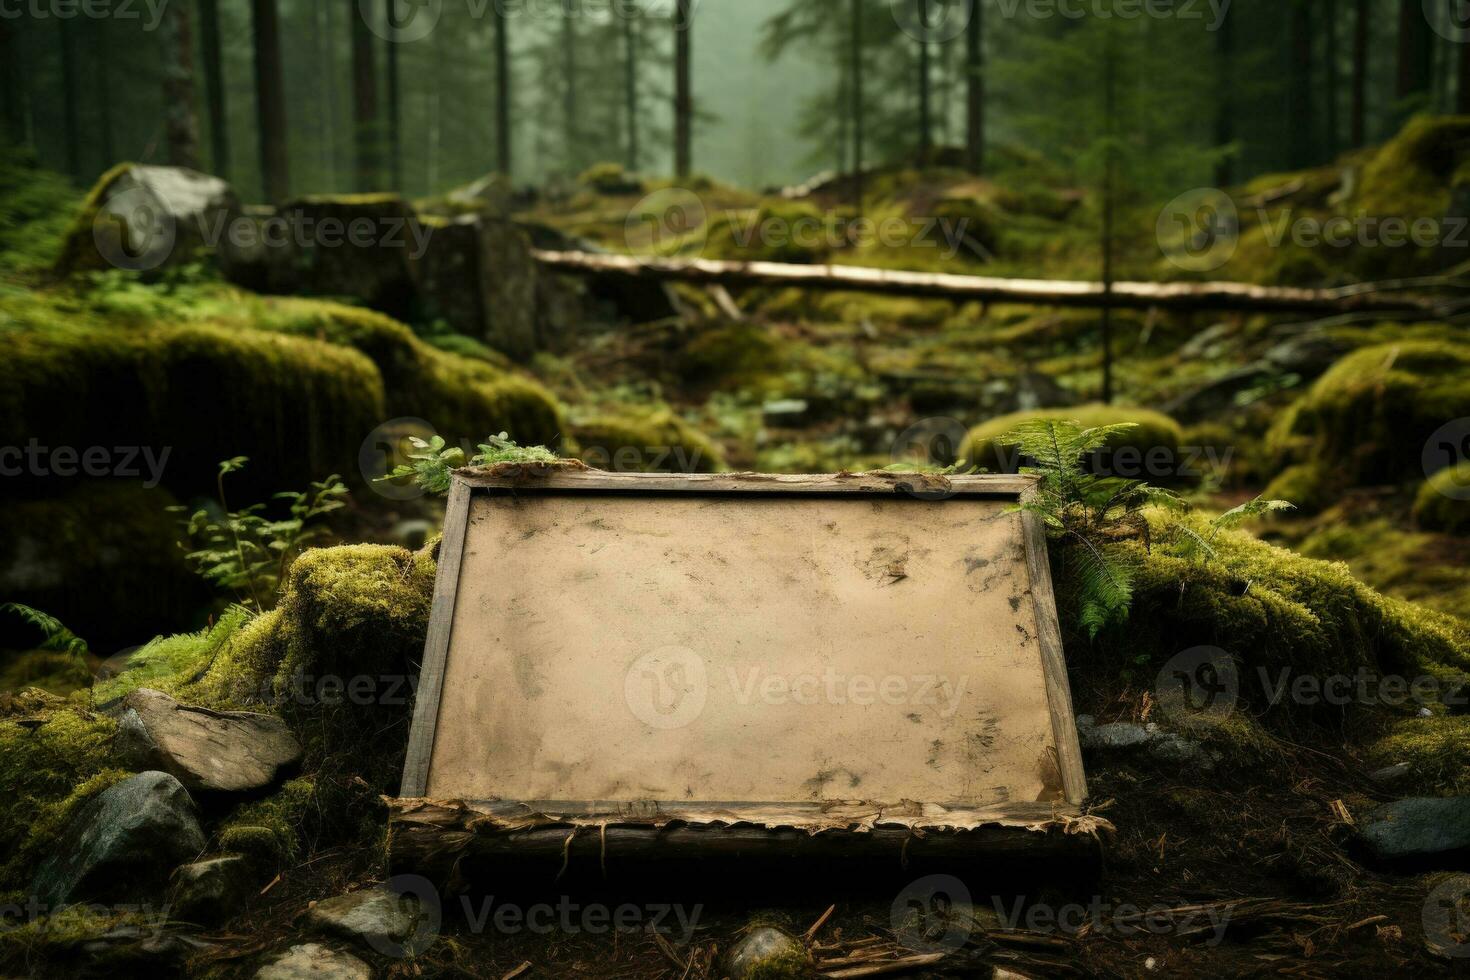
(1238, 296)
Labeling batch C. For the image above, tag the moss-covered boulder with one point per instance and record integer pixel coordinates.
(652, 441)
(1311, 487)
(1368, 418)
(1149, 451)
(1443, 502)
(141, 218)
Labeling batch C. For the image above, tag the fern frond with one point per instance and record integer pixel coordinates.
(1258, 507)
(57, 637)
(1104, 585)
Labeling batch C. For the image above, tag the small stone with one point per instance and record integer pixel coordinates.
(767, 953)
(1391, 774)
(122, 845)
(312, 961)
(377, 916)
(1118, 735)
(218, 751)
(211, 891)
(1425, 830)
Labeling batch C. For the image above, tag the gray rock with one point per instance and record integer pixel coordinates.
(122, 845)
(479, 275)
(1421, 830)
(1389, 775)
(211, 891)
(216, 751)
(1118, 735)
(151, 216)
(770, 954)
(1214, 397)
(1161, 746)
(375, 916)
(312, 961)
(1307, 355)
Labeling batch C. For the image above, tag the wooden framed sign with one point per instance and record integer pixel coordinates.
(681, 658)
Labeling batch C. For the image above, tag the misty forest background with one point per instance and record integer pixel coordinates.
(779, 89)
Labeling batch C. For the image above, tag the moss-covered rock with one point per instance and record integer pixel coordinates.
(778, 231)
(270, 832)
(1436, 749)
(1149, 451)
(733, 353)
(1367, 419)
(1410, 174)
(652, 441)
(1312, 487)
(1443, 502)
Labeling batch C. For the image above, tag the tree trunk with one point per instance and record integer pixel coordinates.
(394, 140)
(102, 58)
(1361, 16)
(1109, 190)
(683, 89)
(926, 121)
(71, 97)
(1224, 101)
(571, 124)
(1178, 296)
(1462, 94)
(630, 88)
(975, 88)
(270, 101)
(1329, 65)
(364, 102)
(178, 88)
(502, 91)
(12, 94)
(859, 108)
(1299, 96)
(214, 81)
(1415, 54)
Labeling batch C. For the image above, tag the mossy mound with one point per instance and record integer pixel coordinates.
(1437, 750)
(655, 441)
(81, 554)
(1368, 418)
(1443, 502)
(1150, 450)
(54, 755)
(1312, 487)
(735, 353)
(1269, 608)
(779, 231)
(1410, 175)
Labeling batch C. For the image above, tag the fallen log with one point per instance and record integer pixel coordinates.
(1182, 296)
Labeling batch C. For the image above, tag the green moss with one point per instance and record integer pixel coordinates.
(1312, 487)
(36, 206)
(1369, 416)
(1437, 750)
(45, 670)
(270, 832)
(1154, 431)
(735, 353)
(79, 250)
(1443, 502)
(779, 231)
(1420, 567)
(1410, 175)
(652, 441)
(609, 178)
(53, 757)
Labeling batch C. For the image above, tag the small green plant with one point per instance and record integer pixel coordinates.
(56, 638)
(247, 552)
(432, 467)
(1087, 511)
(1092, 513)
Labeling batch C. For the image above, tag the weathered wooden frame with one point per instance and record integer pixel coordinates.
(518, 824)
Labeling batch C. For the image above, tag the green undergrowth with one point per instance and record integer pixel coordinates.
(1366, 421)
(1443, 502)
(36, 206)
